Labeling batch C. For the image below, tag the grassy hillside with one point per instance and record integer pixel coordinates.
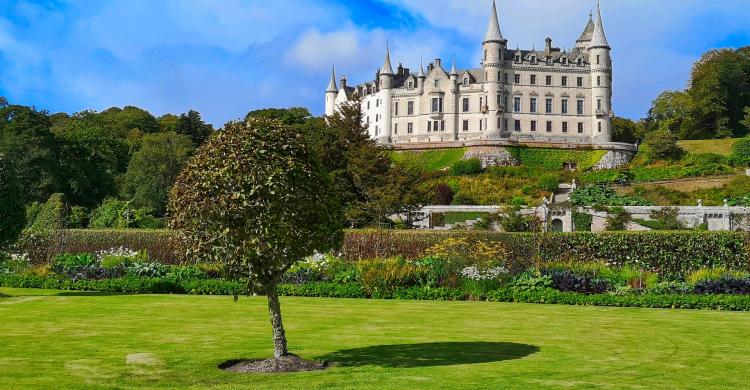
(431, 160)
(717, 146)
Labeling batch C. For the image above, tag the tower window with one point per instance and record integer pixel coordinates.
(598, 81)
(466, 81)
(481, 122)
(395, 108)
(600, 127)
(599, 104)
(598, 60)
(395, 128)
(505, 78)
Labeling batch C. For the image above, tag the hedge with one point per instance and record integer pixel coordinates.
(222, 287)
(673, 253)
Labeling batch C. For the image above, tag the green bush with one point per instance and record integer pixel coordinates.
(382, 276)
(662, 145)
(52, 215)
(741, 151)
(594, 195)
(554, 159)
(549, 182)
(117, 214)
(470, 166)
(714, 274)
(674, 254)
(582, 221)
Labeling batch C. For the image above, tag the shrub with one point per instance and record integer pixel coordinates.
(549, 182)
(472, 166)
(565, 280)
(714, 274)
(120, 257)
(12, 214)
(724, 285)
(462, 251)
(436, 272)
(52, 215)
(13, 263)
(665, 218)
(477, 282)
(147, 270)
(78, 218)
(594, 195)
(582, 221)
(618, 219)
(382, 276)
(443, 194)
(118, 214)
(662, 145)
(741, 151)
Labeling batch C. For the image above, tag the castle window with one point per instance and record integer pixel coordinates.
(505, 125)
(442, 125)
(377, 131)
(410, 107)
(368, 104)
(505, 102)
(499, 123)
(411, 84)
(565, 127)
(517, 78)
(532, 105)
(377, 102)
(565, 106)
(580, 127)
(377, 117)
(435, 126)
(518, 58)
(580, 62)
(548, 106)
(580, 81)
(517, 125)
(600, 127)
(505, 78)
(499, 99)
(437, 104)
(466, 104)
(598, 81)
(395, 128)
(395, 108)
(437, 83)
(498, 75)
(368, 120)
(409, 128)
(548, 80)
(466, 125)
(429, 126)
(481, 103)
(549, 126)
(599, 104)
(517, 104)
(481, 122)
(598, 60)
(533, 79)
(579, 108)
(466, 81)
(565, 81)
(533, 125)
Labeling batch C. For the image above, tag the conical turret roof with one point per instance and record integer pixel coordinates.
(387, 69)
(493, 29)
(599, 39)
(332, 84)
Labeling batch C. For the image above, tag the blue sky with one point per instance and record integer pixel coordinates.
(227, 57)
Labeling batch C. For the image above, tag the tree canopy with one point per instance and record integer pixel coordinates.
(12, 214)
(256, 199)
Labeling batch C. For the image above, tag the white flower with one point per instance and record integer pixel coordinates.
(475, 273)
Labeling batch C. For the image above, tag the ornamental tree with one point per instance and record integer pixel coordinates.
(256, 199)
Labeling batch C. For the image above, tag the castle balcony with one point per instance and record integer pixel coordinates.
(601, 114)
(436, 115)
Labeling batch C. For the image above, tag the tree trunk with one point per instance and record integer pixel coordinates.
(274, 308)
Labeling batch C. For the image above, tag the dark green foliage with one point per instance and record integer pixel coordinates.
(594, 195)
(662, 145)
(118, 214)
(741, 151)
(725, 285)
(255, 199)
(12, 213)
(153, 170)
(512, 221)
(122, 121)
(582, 221)
(666, 219)
(618, 219)
(27, 142)
(549, 182)
(443, 194)
(566, 280)
(554, 159)
(78, 218)
(52, 215)
(192, 126)
(625, 130)
(470, 166)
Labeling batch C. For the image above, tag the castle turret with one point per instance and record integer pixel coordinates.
(421, 77)
(331, 93)
(494, 46)
(385, 79)
(601, 82)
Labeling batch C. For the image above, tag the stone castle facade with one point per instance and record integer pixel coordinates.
(551, 95)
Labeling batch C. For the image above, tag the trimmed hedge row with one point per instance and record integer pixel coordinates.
(331, 290)
(673, 253)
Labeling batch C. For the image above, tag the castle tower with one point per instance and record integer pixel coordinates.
(385, 81)
(421, 77)
(331, 93)
(494, 46)
(601, 82)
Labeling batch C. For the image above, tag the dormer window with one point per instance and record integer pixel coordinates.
(466, 81)
(437, 83)
(564, 61)
(411, 84)
(518, 58)
(580, 62)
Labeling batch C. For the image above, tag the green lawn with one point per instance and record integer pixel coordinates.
(718, 146)
(430, 160)
(78, 340)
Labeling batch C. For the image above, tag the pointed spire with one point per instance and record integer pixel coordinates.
(421, 69)
(387, 69)
(493, 29)
(454, 71)
(599, 39)
(332, 84)
(588, 32)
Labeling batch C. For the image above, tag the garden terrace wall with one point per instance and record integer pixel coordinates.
(672, 254)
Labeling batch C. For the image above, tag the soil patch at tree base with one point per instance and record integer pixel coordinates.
(288, 363)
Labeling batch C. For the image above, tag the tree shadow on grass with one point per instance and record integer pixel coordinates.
(89, 294)
(430, 354)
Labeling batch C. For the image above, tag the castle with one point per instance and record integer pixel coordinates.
(547, 96)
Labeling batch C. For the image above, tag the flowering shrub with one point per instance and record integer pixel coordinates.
(13, 262)
(477, 282)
